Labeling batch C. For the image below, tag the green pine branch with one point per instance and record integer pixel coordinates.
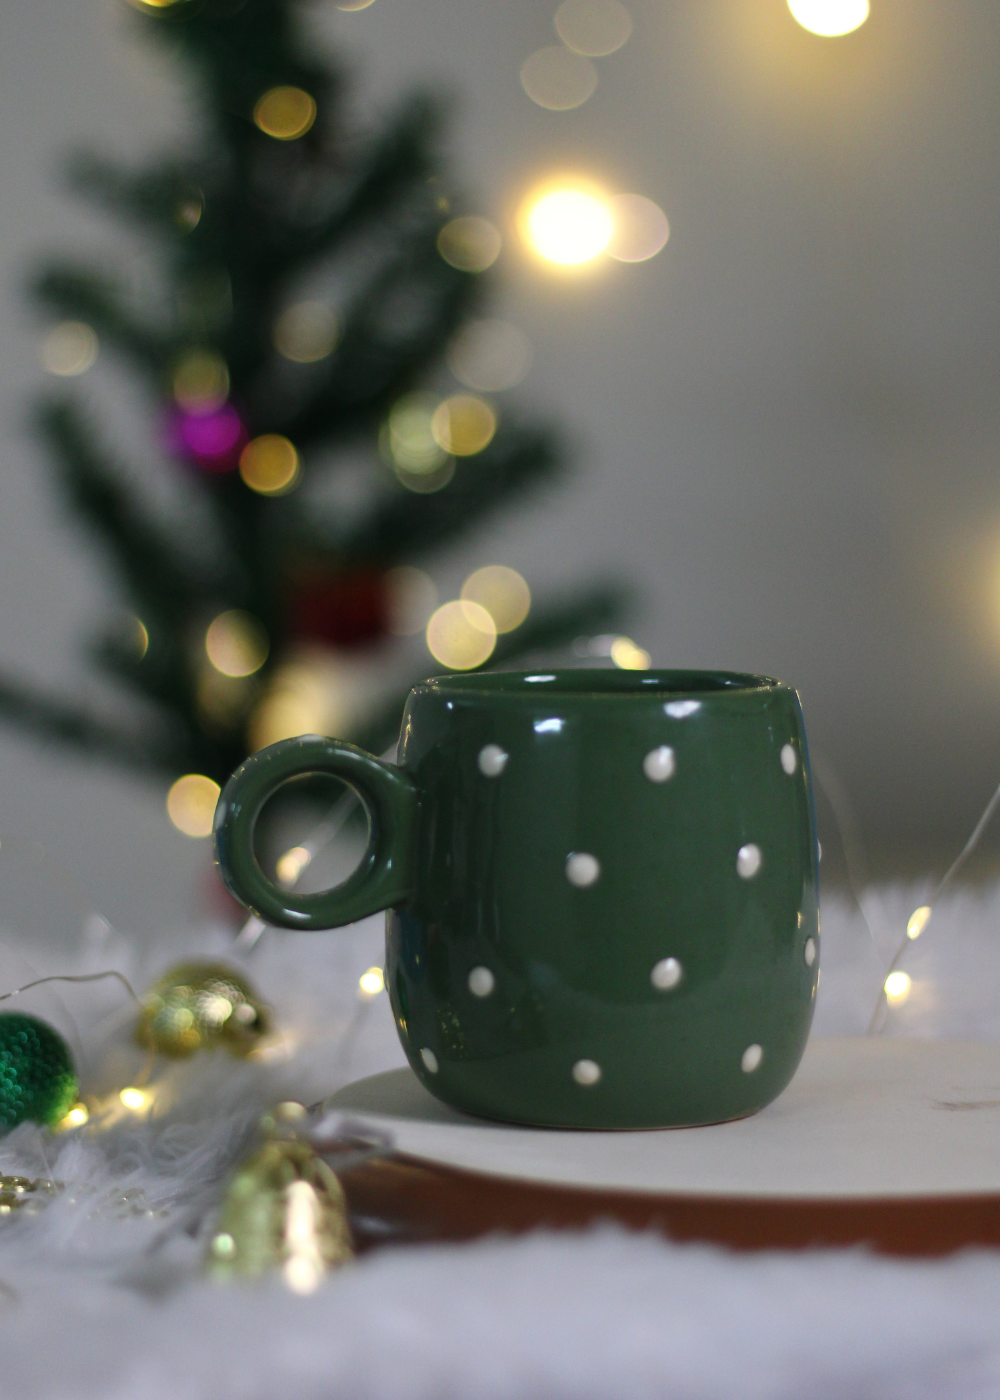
(152, 198)
(165, 580)
(403, 525)
(81, 294)
(374, 362)
(56, 720)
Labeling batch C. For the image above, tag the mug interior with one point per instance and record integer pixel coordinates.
(600, 681)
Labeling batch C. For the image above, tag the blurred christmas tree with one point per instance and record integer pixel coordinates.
(312, 287)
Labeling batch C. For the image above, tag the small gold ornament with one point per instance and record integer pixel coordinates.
(26, 1197)
(285, 1210)
(199, 1006)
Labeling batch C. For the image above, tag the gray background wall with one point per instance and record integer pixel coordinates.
(786, 425)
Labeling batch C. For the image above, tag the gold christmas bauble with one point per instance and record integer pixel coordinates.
(201, 1006)
(285, 1211)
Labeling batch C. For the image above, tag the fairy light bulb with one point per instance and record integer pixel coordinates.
(897, 988)
(76, 1117)
(918, 921)
(830, 18)
(570, 225)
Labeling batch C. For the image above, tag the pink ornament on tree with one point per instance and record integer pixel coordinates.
(213, 440)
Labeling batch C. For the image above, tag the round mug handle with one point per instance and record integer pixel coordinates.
(385, 876)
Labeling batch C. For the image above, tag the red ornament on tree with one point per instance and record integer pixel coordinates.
(348, 608)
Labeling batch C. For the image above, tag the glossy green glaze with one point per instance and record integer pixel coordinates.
(606, 890)
(385, 875)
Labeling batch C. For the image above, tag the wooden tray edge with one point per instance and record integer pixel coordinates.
(401, 1199)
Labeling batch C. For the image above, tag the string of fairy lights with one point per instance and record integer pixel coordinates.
(565, 223)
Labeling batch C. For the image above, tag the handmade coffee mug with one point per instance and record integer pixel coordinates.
(601, 889)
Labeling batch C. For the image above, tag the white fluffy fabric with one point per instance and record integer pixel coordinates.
(101, 1293)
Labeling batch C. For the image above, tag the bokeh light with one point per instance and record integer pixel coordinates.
(286, 113)
(918, 921)
(897, 988)
(569, 225)
(191, 804)
(830, 18)
(269, 465)
(135, 1100)
(489, 356)
(69, 348)
(236, 643)
(470, 243)
(463, 425)
(412, 598)
(406, 438)
(629, 657)
(187, 215)
(641, 229)
(502, 592)
(306, 332)
(461, 635)
(558, 80)
(200, 382)
(291, 865)
(352, 5)
(425, 483)
(221, 700)
(141, 634)
(372, 982)
(296, 702)
(593, 27)
(75, 1118)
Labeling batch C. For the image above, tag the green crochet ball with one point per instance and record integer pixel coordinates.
(37, 1082)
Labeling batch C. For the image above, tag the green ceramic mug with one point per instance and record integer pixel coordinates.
(601, 889)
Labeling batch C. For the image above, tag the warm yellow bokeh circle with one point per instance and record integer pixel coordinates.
(236, 644)
(191, 804)
(568, 224)
(269, 465)
(830, 18)
(461, 635)
(286, 113)
(502, 592)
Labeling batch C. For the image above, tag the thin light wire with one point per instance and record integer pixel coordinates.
(943, 884)
(855, 859)
(82, 977)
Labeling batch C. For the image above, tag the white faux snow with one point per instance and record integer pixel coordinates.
(101, 1294)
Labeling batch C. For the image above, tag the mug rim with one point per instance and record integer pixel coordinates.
(600, 681)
